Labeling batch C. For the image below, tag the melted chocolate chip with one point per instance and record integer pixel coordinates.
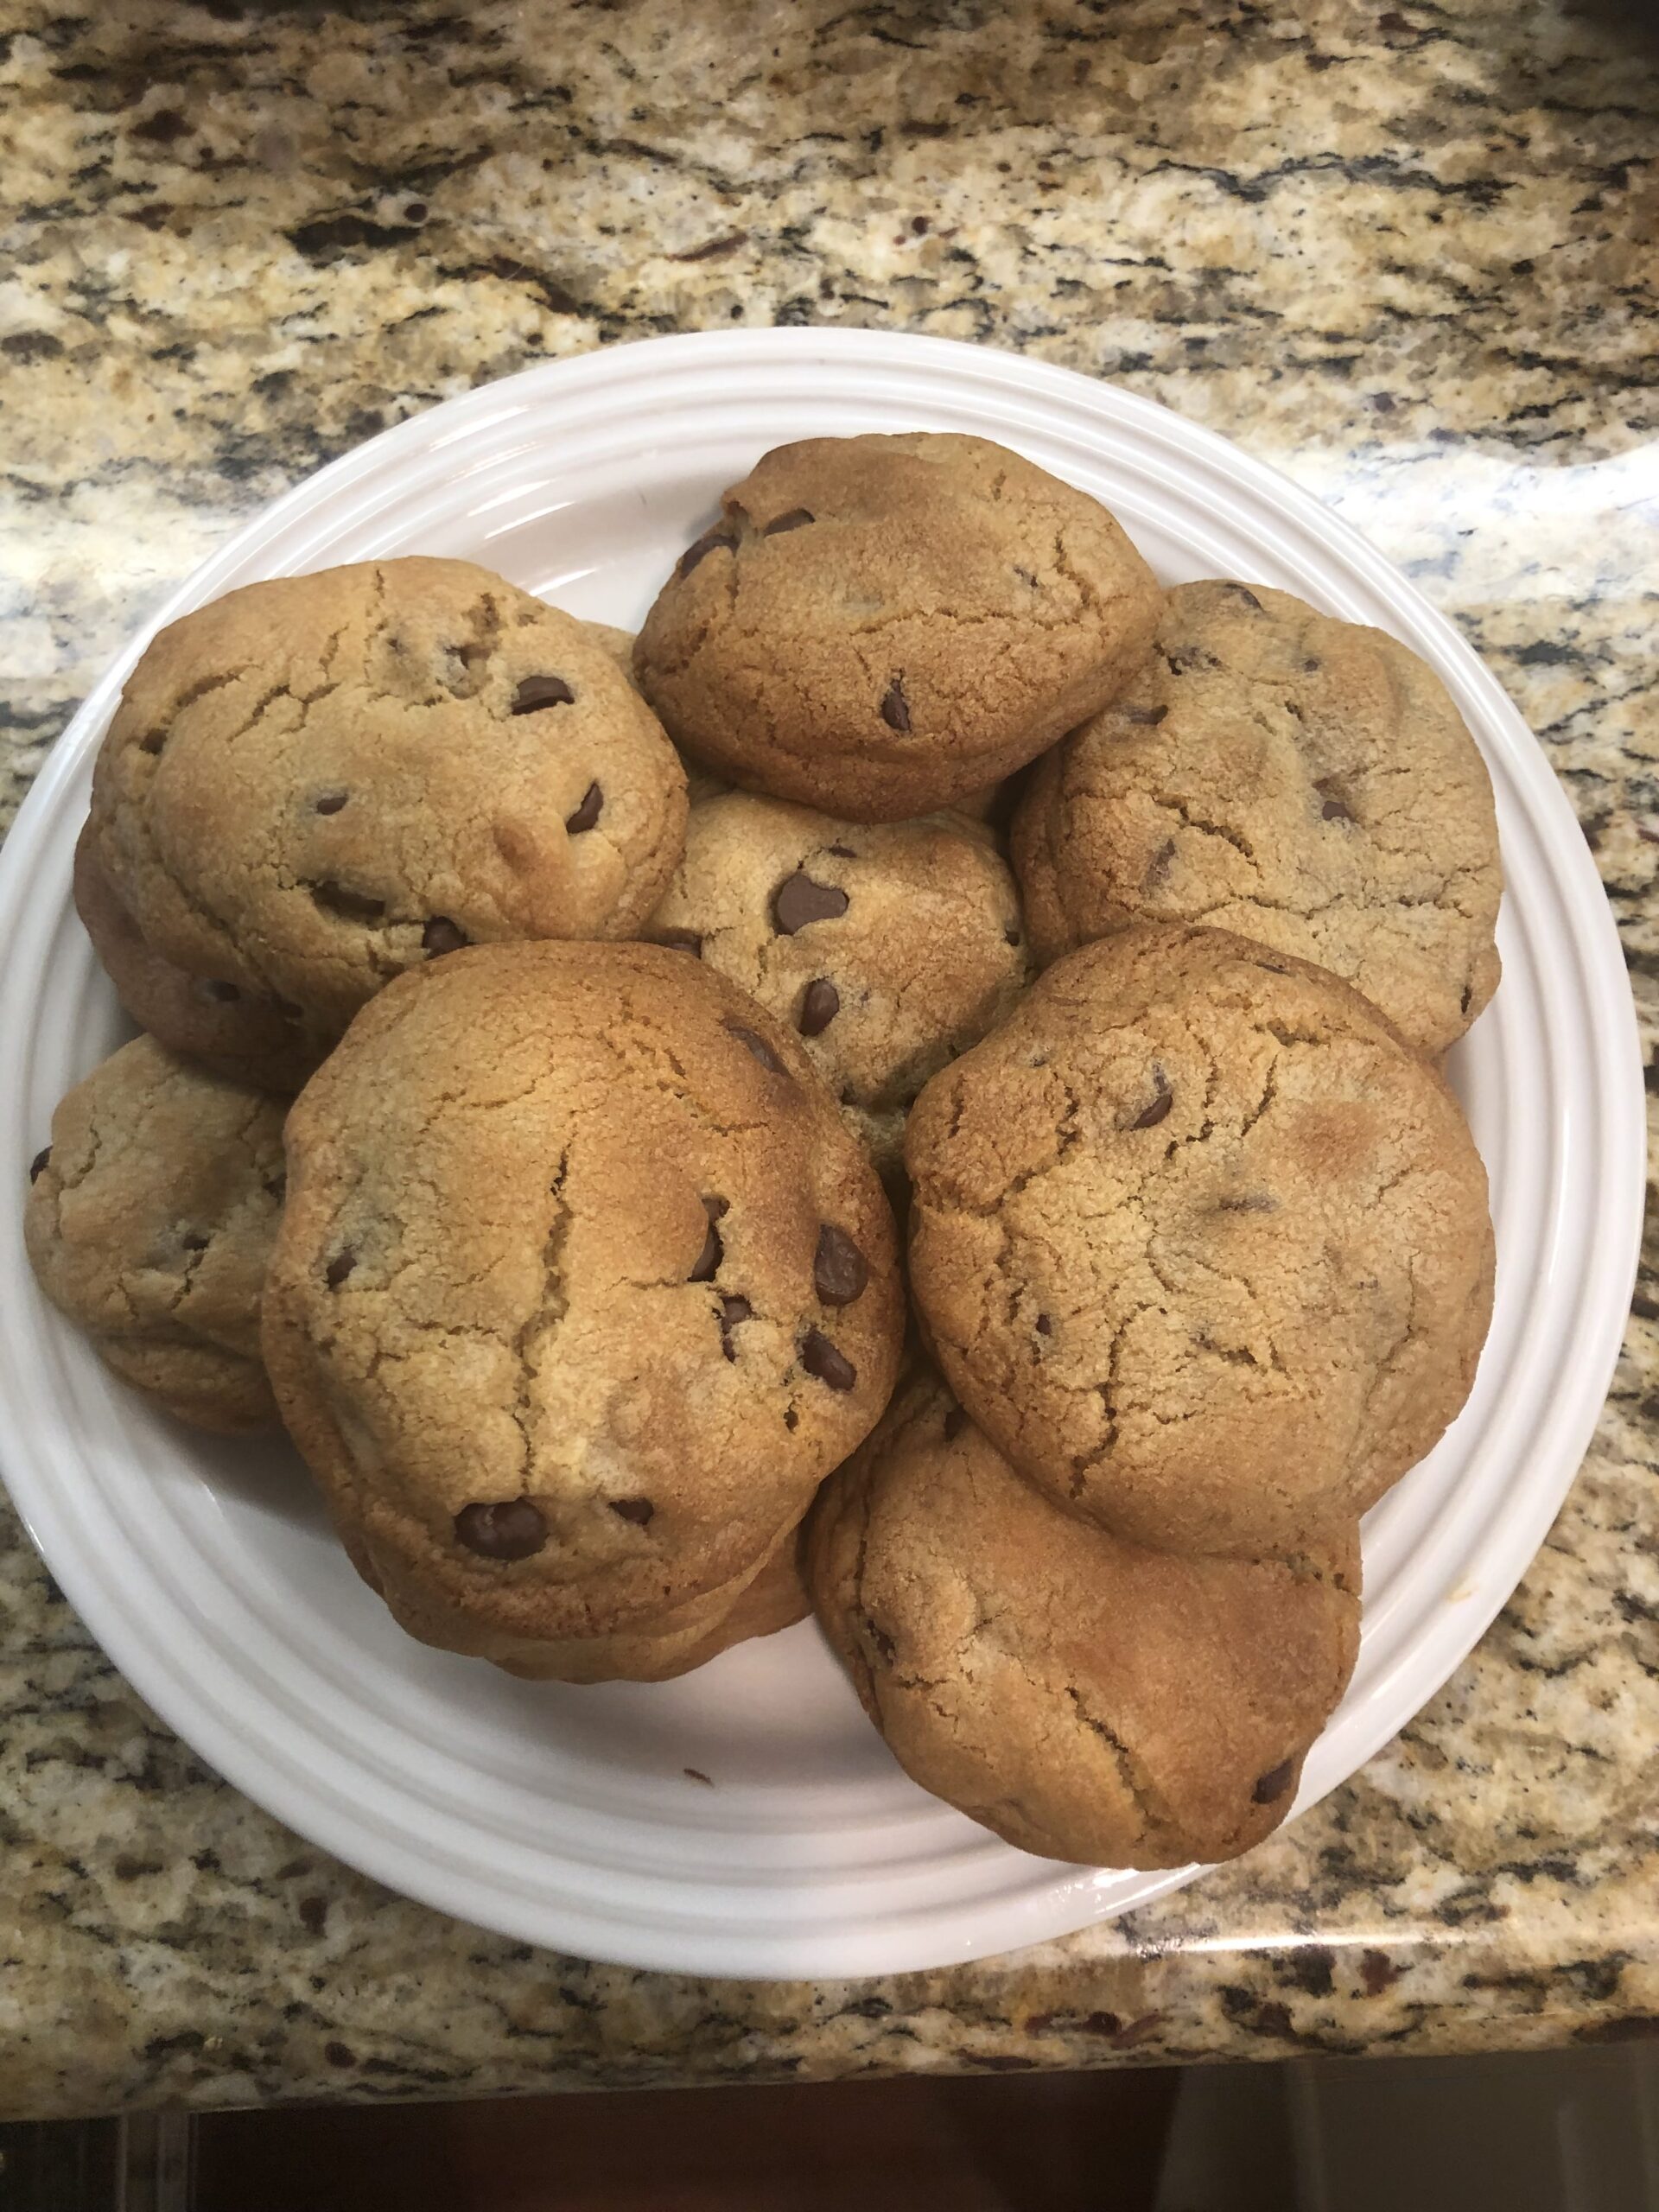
(1273, 1785)
(712, 1250)
(799, 900)
(732, 1311)
(955, 1422)
(820, 1357)
(38, 1162)
(350, 905)
(681, 941)
(339, 1267)
(210, 987)
(535, 692)
(1160, 1105)
(329, 802)
(636, 1509)
(895, 708)
(587, 813)
(442, 935)
(513, 1529)
(820, 1004)
(1145, 717)
(703, 547)
(796, 519)
(840, 1271)
(758, 1046)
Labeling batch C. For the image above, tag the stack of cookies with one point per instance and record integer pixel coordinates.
(922, 856)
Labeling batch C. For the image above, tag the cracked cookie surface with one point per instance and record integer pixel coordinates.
(316, 784)
(1200, 1241)
(582, 1288)
(879, 626)
(887, 948)
(1085, 1698)
(1302, 781)
(151, 1220)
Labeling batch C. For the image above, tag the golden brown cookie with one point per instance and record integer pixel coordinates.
(240, 1035)
(314, 784)
(880, 626)
(582, 1288)
(151, 1220)
(1302, 781)
(888, 947)
(1201, 1242)
(1085, 1698)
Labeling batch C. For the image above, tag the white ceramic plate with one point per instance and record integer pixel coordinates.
(570, 1817)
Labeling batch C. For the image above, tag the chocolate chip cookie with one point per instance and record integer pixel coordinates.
(886, 947)
(1201, 1241)
(242, 1034)
(317, 783)
(1085, 1698)
(583, 1287)
(1303, 781)
(879, 626)
(150, 1219)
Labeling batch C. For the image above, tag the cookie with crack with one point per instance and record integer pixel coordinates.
(1302, 781)
(879, 626)
(1085, 1698)
(149, 1222)
(316, 783)
(583, 1287)
(1201, 1242)
(888, 947)
(241, 1034)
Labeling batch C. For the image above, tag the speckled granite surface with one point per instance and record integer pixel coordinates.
(1405, 253)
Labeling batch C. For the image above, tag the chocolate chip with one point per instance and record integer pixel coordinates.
(709, 1258)
(820, 1004)
(538, 691)
(1160, 1105)
(339, 1267)
(153, 740)
(194, 1241)
(791, 1419)
(330, 802)
(38, 1162)
(842, 852)
(820, 1357)
(442, 935)
(840, 1271)
(1011, 936)
(732, 1311)
(1044, 1327)
(1243, 592)
(636, 1509)
(350, 905)
(955, 1422)
(895, 708)
(1334, 810)
(799, 900)
(1273, 1785)
(1467, 1000)
(1145, 717)
(587, 813)
(1025, 576)
(1158, 865)
(796, 519)
(758, 1046)
(210, 987)
(513, 1529)
(703, 546)
(1312, 667)
(681, 941)
(1270, 967)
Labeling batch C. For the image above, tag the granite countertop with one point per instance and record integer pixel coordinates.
(1407, 254)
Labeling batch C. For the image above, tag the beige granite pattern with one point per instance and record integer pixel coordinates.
(1405, 252)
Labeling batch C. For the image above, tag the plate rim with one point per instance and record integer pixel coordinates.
(1546, 809)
